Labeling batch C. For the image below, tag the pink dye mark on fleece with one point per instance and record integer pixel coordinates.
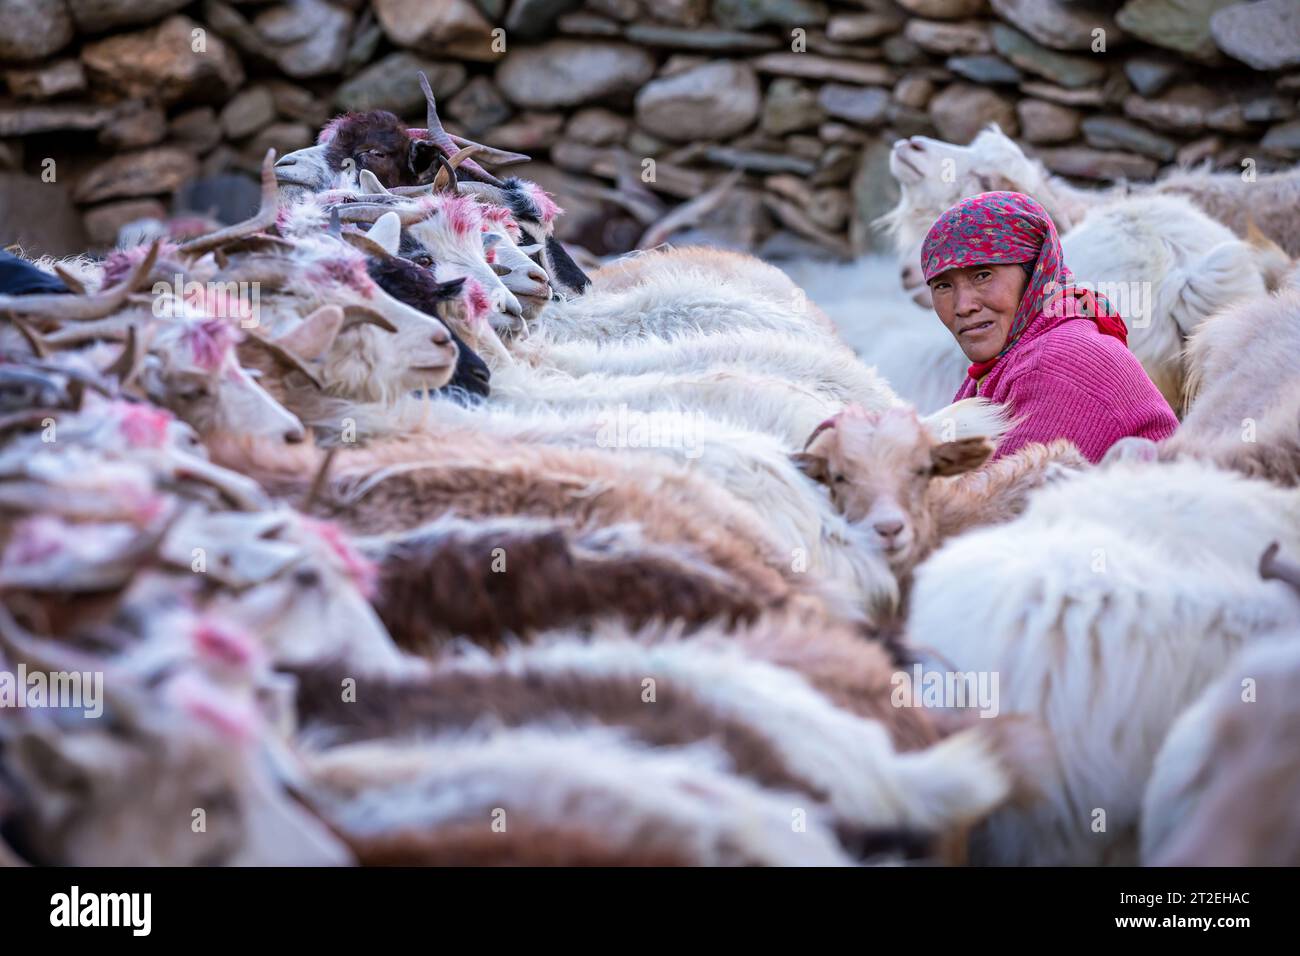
(35, 540)
(120, 262)
(477, 301)
(142, 426)
(346, 271)
(500, 217)
(545, 204)
(210, 341)
(220, 710)
(330, 129)
(463, 216)
(361, 570)
(221, 302)
(221, 642)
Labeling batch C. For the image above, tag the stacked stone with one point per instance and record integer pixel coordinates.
(118, 109)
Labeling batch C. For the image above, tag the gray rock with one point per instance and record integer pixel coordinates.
(309, 39)
(247, 112)
(197, 130)
(226, 197)
(1198, 151)
(390, 84)
(714, 41)
(448, 28)
(46, 118)
(597, 127)
(148, 172)
(33, 28)
(750, 14)
(686, 13)
(938, 37)
(295, 103)
(282, 137)
(984, 68)
(814, 67)
(582, 23)
(159, 62)
(835, 165)
(944, 9)
(757, 162)
(1283, 140)
(1063, 68)
(961, 110)
(914, 91)
(48, 80)
(478, 106)
(625, 10)
(863, 105)
(1151, 74)
(1184, 108)
(899, 50)
(104, 222)
(96, 16)
(135, 123)
(906, 121)
(529, 19)
(1081, 96)
(527, 132)
(790, 106)
(1182, 25)
(852, 27)
(1044, 122)
(1087, 163)
(875, 192)
(1115, 132)
(713, 101)
(1267, 108)
(568, 72)
(1265, 35)
(1057, 24)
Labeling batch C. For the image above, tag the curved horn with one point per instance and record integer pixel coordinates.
(71, 281)
(369, 212)
(408, 191)
(318, 482)
(40, 348)
(443, 139)
(81, 308)
(490, 154)
(446, 177)
(264, 218)
(359, 240)
(287, 356)
(127, 365)
(356, 315)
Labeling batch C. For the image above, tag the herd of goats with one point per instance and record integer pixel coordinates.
(390, 536)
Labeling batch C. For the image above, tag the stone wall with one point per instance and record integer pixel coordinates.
(118, 109)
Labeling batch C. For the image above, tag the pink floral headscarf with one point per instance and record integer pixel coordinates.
(1003, 228)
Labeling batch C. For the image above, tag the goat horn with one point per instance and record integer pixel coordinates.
(370, 184)
(1273, 568)
(443, 139)
(490, 154)
(125, 366)
(355, 315)
(359, 240)
(446, 177)
(71, 281)
(80, 308)
(318, 481)
(335, 227)
(264, 218)
(424, 190)
(288, 356)
(369, 212)
(40, 348)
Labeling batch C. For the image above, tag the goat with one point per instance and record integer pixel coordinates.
(1100, 625)
(492, 579)
(889, 471)
(586, 796)
(761, 715)
(1224, 785)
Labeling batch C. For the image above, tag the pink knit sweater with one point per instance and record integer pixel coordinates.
(1064, 379)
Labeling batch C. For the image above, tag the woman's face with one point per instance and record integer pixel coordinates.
(977, 305)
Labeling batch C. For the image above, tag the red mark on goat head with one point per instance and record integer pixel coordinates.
(225, 644)
(346, 271)
(143, 426)
(545, 204)
(210, 341)
(362, 571)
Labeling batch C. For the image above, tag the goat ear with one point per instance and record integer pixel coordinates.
(314, 336)
(962, 455)
(814, 466)
(420, 156)
(387, 232)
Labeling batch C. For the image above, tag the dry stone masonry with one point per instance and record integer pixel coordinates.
(117, 109)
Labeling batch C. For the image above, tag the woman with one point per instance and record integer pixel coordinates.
(1055, 353)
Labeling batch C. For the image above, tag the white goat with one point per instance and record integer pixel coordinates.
(1103, 610)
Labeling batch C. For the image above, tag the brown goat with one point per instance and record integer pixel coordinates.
(490, 579)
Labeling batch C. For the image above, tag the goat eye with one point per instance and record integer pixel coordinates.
(921, 471)
(194, 394)
(423, 260)
(306, 577)
(840, 480)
